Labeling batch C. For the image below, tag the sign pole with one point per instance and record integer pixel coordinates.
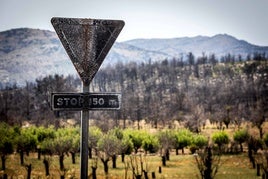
(87, 42)
(84, 138)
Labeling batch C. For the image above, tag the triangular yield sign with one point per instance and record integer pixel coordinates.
(87, 42)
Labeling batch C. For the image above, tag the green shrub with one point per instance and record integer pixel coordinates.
(183, 138)
(150, 144)
(127, 145)
(220, 138)
(198, 142)
(136, 136)
(6, 142)
(241, 136)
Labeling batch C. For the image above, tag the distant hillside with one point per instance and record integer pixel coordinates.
(26, 54)
(220, 45)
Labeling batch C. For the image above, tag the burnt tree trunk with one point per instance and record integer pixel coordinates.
(61, 158)
(94, 172)
(114, 161)
(90, 153)
(123, 157)
(241, 147)
(177, 151)
(21, 157)
(3, 159)
(250, 155)
(164, 160)
(46, 163)
(208, 164)
(105, 165)
(29, 170)
(167, 155)
(73, 157)
(39, 154)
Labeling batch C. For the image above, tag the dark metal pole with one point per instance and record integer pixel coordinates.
(84, 139)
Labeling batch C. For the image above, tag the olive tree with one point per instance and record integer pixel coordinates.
(198, 142)
(75, 146)
(126, 146)
(61, 145)
(241, 136)
(25, 141)
(150, 143)
(137, 137)
(220, 138)
(46, 150)
(42, 134)
(166, 141)
(118, 133)
(94, 134)
(182, 139)
(108, 146)
(6, 142)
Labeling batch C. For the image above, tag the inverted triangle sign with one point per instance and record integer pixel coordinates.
(87, 42)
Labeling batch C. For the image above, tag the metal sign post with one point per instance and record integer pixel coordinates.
(84, 139)
(87, 42)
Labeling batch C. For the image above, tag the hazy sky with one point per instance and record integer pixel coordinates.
(244, 19)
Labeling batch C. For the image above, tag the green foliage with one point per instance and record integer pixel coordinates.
(241, 136)
(74, 133)
(94, 134)
(127, 145)
(198, 142)
(46, 147)
(44, 136)
(136, 136)
(150, 143)
(220, 138)
(45, 133)
(57, 141)
(62, 142)
(183, 138)
(26, 140)
(6, 139)
(117, 132)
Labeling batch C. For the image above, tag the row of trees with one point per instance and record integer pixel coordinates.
(106, 146)
(189, 91)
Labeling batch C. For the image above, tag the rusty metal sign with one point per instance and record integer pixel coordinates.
(87, 42)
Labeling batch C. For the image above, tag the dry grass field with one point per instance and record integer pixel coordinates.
(180, 166)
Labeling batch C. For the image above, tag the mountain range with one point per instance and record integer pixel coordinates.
(27, 54)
